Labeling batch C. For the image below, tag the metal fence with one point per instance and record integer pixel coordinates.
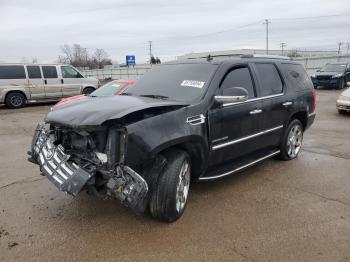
(118, 73)
(311, 64)
(314, 63)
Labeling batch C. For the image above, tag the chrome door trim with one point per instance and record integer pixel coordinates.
(246, 138)
(253, 99)
(241, 167)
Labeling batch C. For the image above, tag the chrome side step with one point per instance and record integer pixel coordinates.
(241, 167)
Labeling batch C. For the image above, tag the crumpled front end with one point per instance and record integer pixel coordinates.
(74, 159)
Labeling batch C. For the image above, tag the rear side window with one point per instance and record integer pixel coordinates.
(49, 71)
(33, 72)
(239, 77)
(270, 80)
(297, 76)
(12, 72)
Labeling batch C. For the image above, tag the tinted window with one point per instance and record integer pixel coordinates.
(33, 72)
(239, 77)
(179, 82)
(70, 72)
(270, 80)
(297, 76)
(49, 71)
(12, 72)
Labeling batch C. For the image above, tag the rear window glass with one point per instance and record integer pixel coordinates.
(270, 80)
(297, 76)
(33, 72)
(12, 72)
(49, 71)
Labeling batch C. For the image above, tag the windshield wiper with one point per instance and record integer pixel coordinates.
(126, 94)
(156, 96)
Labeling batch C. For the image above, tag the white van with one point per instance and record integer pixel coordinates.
(30, 83)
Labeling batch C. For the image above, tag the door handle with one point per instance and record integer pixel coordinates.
(256, 111)
(288, 103)
(45, 82)
(62, 81)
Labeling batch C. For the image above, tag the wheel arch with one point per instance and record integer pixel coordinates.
(301, 116)
(197, 151)
(86, 87)
(15, 91)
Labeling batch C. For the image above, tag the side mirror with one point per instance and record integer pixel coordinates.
(232, 95)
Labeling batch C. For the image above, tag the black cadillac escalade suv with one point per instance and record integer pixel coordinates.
(182, 122)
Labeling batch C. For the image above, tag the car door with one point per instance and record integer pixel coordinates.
(233, 127)
(36, 82)
(276, 104)
(71, 81)
(53, 85)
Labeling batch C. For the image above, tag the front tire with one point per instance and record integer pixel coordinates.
(15, 100)
(88, 90)
(169, 197)
(292, 140)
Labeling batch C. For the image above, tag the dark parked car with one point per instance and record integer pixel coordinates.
(181, 122)
(334, 75)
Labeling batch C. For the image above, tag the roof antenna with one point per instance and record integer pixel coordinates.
(209, 58)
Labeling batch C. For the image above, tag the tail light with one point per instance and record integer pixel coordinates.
(314, 100)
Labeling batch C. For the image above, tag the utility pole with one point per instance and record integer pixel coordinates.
(150, 51)
(282, 45)
(267, 35)
(347, 48)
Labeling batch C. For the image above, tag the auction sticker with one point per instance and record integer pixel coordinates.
(193, 83)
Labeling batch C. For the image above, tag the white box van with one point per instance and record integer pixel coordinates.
(30, 83)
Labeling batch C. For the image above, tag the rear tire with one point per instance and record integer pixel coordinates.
(292, 140)
(169, 197)
(15, 100)
(88, 90)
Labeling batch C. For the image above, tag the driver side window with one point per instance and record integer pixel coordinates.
(239, 77)
(70, 72)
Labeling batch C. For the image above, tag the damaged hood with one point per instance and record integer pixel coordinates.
(96, 110)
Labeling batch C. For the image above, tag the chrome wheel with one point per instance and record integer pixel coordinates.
(295, 138)
(183, 186)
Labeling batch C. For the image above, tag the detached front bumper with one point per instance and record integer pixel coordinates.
(123, 183)
(66, 175)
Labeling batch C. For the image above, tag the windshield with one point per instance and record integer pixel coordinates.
(109, 89)
(333, 68)
(179, 82)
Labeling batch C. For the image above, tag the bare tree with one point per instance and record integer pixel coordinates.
(34, 60)
(79, 56)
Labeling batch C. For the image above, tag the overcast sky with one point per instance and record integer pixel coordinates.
(37, 28)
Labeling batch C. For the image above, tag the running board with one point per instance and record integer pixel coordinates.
(237, 167)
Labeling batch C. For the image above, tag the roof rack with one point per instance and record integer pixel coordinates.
(266, 56)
